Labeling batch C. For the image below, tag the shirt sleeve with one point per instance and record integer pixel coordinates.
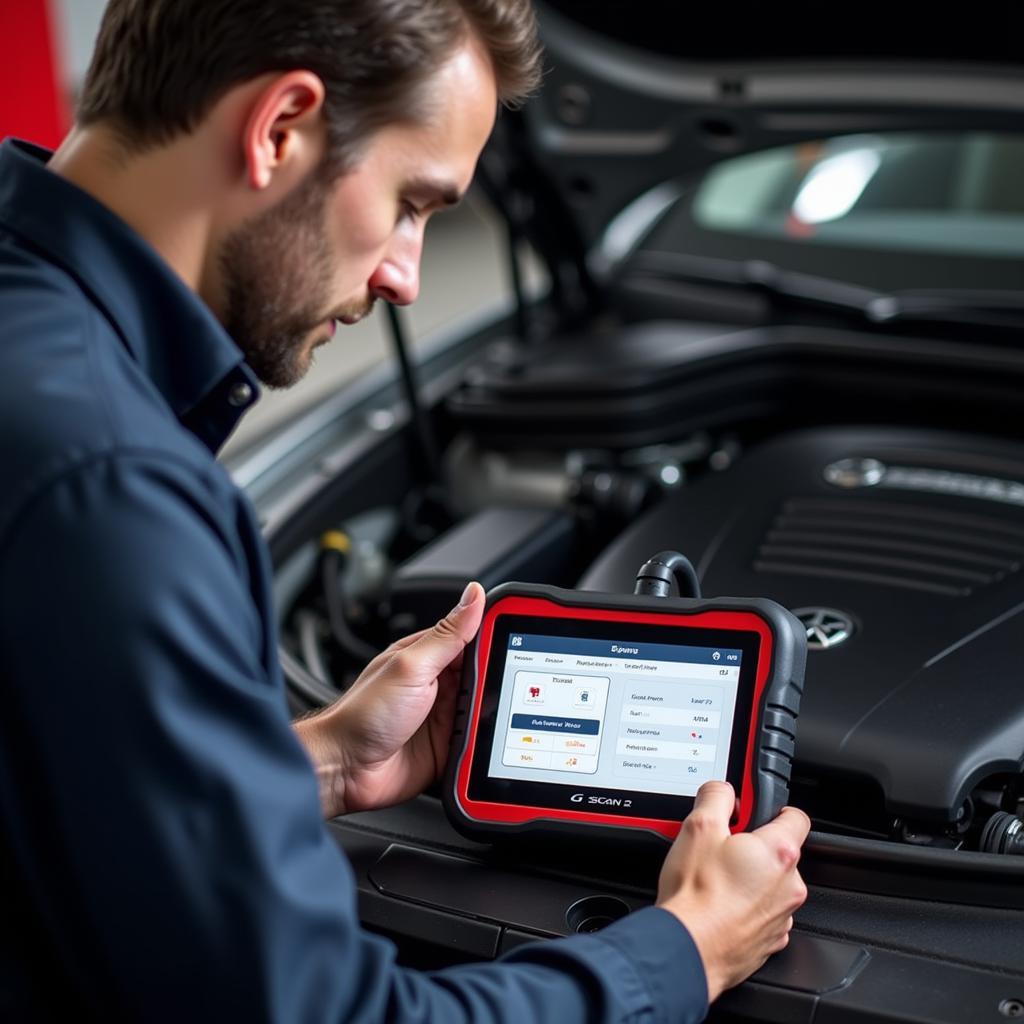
(163, 818)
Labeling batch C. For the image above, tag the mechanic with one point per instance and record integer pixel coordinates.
(243, 175)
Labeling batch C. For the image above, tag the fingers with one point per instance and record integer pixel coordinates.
(712, 809)
(798, 894)
(473, 590)
(781, 941)
(788, 830)
(436, 648)
(459, 626)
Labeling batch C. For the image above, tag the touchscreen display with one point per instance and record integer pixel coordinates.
(614, 714)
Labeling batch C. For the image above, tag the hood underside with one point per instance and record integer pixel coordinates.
(632, 98)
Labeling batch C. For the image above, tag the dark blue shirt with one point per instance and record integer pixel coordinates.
(162, 849)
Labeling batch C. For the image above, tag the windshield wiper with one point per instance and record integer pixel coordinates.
(987, 305)
(994, 307)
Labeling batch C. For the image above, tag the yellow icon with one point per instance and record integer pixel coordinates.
(528, 739)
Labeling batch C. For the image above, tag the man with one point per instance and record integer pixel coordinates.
(243, 175)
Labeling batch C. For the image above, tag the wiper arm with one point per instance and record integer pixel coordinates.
(985, 306)
(979, 306)
(758, 275)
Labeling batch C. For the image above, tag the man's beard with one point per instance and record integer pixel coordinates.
(276, 269)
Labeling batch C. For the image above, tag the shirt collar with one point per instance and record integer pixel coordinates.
(166, 327)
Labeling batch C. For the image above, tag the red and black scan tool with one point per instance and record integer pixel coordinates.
(608, 711)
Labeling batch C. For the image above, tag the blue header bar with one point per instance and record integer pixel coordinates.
(621, 649)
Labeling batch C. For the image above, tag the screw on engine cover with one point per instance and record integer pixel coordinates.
(1012, 1008)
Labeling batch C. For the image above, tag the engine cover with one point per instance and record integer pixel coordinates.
(901, 550)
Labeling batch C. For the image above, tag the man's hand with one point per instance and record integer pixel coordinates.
(736, 894)
(387, 738)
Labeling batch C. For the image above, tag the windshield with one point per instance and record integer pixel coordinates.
(890, 211)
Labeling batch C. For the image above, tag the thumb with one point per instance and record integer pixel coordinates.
(440, 645)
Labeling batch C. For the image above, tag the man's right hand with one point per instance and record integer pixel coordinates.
(736, 894)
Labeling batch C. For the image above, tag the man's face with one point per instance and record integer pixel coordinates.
(334, 245)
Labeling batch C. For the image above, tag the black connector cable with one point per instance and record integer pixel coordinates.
(335, 547)
(656, 575)
(315, 692)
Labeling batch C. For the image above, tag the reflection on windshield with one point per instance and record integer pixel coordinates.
(832, 188)
(959, 193)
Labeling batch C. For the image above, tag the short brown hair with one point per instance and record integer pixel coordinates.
(160, 65)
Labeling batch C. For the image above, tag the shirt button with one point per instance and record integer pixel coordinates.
(240, 395)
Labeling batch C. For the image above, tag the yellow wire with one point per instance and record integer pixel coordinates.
(337, 541)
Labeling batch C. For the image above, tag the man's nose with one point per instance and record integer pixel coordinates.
(397, 277)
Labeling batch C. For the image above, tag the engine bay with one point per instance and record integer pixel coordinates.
(899, 546)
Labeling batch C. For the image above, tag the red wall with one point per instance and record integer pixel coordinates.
(32, 101)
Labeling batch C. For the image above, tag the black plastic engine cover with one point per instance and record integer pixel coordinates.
(917, 538)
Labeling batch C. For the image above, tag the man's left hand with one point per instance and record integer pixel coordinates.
(387, 738)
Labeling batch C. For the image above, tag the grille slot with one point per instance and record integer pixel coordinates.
(890, 543)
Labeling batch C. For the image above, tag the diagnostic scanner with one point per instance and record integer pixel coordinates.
(604, 711)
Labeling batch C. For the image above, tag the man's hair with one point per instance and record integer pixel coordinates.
(160, 65)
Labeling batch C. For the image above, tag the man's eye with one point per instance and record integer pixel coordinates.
(410, 211)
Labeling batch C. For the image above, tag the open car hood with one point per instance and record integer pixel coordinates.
(634, 96)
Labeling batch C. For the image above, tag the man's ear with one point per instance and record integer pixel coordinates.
(284, 132)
